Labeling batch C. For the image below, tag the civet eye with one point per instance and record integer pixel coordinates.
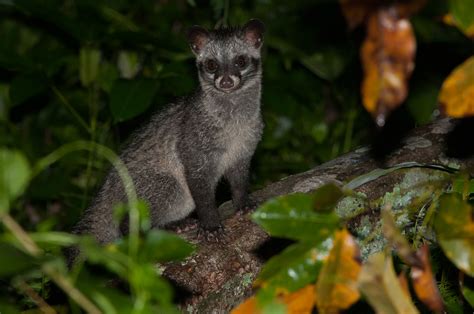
(241, 62)
(211, 66)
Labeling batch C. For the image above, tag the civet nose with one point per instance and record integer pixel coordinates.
(226, 82)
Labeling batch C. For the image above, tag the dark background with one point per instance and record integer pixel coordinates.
(52, 92)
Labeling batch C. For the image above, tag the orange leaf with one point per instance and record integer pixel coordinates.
(387, 55)
(424, 283)
(248, 307)
(457, 93)
(301, 301)
(337, 281)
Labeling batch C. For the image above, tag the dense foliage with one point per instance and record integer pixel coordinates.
(76, 77)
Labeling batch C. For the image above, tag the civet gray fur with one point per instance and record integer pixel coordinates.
(178, 157)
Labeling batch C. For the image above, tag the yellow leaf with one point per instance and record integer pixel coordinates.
(337, 281)
(381, 287)
(457, 93)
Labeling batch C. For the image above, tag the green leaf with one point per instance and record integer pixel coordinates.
(14, 176)
(297, 266)
(326, 197)
(454, 228)
(89, 61)
(7, 307)
(110, 300)
(161, 246)
(468, 294)
(109, 256)
(327, 63)
(24, 87)
(462, 11)
(131, 98)
(14, 261)
(293, 216)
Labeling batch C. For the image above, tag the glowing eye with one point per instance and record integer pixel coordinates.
(211, 66)
(241, 62)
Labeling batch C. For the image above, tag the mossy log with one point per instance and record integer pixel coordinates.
(220, 275)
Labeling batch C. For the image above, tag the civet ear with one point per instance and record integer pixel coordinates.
(197, 38)
(253, 32)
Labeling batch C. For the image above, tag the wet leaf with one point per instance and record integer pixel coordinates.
(14, 176)
(336, 287)
(387, 55)
(297, 266)
(454, 228)
(424, 282)
(293, 216)
(379, 284)
(397, 240)
(130, 98)
(457, 93)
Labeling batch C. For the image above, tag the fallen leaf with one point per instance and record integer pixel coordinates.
(379, 284)
(387, 55)
(454, 227)
(337, 282)
(424, 283)
(457, 93)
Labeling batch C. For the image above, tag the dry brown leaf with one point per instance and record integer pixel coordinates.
(457, 93)
(337, 282)
(357, 11)
(424, 283)
(387, 55)
(379, 284)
